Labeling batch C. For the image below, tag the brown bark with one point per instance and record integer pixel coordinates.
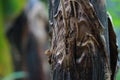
(78, 49)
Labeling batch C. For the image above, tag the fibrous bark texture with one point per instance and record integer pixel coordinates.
(78, 49)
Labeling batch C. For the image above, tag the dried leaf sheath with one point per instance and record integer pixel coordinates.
(77, 44)
(113, 49)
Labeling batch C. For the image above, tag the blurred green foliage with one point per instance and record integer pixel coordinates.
(113, 7)
(9, 9)
(12, 8)
(118, 75)
(45, 1)
(5, 58)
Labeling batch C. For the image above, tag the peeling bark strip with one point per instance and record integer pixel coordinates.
(78, 50)
(113, 49)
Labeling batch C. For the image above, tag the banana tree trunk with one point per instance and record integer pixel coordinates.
(79, 40)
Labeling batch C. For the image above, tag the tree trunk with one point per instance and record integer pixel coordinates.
(79, 40)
